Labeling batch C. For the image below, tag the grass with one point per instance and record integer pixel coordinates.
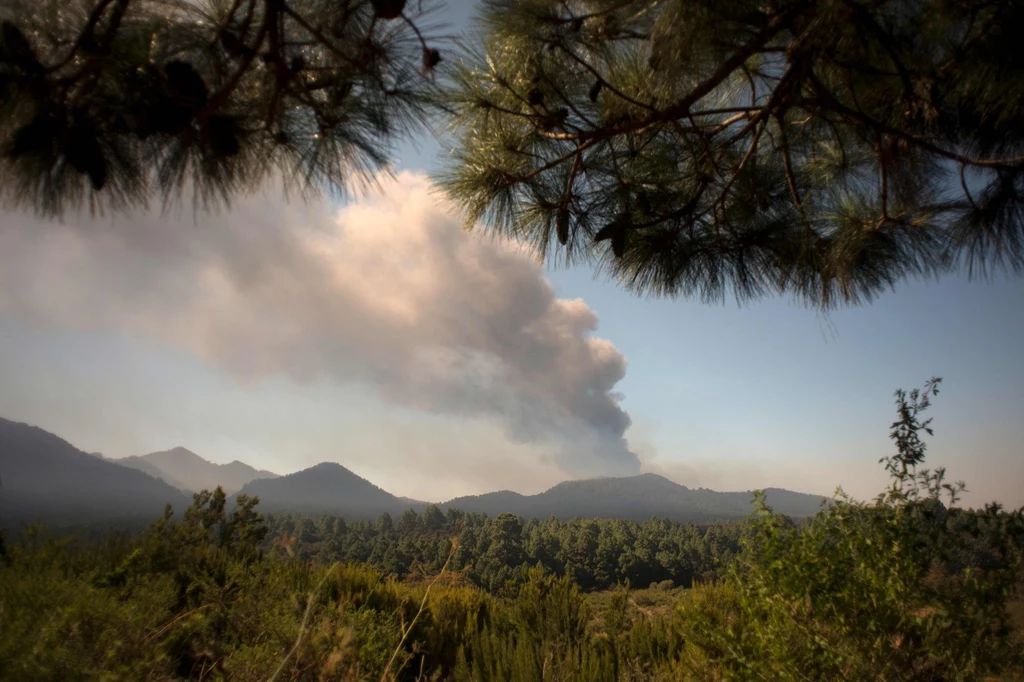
(650, 603)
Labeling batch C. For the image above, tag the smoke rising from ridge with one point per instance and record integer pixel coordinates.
(387, 291)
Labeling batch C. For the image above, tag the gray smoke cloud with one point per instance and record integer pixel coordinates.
(387, 291)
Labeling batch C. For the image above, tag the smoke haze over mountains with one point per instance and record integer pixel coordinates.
(47, 478)
(387, 292)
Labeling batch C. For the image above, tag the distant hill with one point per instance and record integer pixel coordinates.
(188, 471)
(330, 488)
(326, 488)
(43, 477)
(635, 497)
(145, 466)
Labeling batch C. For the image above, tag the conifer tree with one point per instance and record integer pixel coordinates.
(821, 148)
(825, 149)
(108, 103)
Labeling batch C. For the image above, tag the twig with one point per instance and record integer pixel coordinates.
(604, 83)
(829, 101)
(556, 161)
(415, 28)
(682, 107)
(788, 165)
(175, 620)
(882, 166)
(329, 45)
(967, 191)
(94, 18)
(221, 97)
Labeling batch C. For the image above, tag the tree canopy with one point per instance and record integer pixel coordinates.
(109, 102)
(825, 149)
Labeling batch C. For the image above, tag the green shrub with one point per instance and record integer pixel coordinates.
(863, 591)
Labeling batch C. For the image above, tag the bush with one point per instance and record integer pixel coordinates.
(863, 591)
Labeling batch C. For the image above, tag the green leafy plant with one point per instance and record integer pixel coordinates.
(867, 591)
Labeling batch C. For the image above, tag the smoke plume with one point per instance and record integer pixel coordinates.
(387, 291)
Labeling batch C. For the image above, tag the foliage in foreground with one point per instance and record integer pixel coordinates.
(874, 591)
(112, 103)
(903, 588)
(826, 149)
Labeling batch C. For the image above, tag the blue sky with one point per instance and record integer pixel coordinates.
(726, 397)
(776, 387)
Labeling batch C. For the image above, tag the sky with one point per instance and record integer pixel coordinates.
(435, 362)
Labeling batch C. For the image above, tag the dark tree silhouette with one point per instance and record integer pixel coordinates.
(825, 149)
(108, 102)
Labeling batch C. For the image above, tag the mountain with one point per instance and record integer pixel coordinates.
(330, 488)
(635, 497)
(187, 471)
(147, 467)
(326, 488)
(43, 477)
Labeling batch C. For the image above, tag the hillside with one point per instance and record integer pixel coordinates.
(634, 497)
(43, 477)
(325, 488)
(187, 471)
(331, 488)
(147, 467)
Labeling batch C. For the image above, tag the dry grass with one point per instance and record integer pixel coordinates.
(648, 603)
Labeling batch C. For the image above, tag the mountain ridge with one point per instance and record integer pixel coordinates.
(185, 470)
(44, 477)
(37, 457)
(637, 498)
(327, 487)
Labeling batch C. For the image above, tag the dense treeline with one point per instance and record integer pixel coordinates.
(498, 554)
(595, 554)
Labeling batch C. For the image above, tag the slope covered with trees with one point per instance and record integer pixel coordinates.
(186, 470)
(145, 466)
(45, 478)
(637, 498)
(325, 488)
(328, 489)
(496, 552)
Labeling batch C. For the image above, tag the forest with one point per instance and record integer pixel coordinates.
(491, 553)
(905, 587)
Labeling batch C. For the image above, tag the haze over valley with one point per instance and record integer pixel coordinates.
(46, 478)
